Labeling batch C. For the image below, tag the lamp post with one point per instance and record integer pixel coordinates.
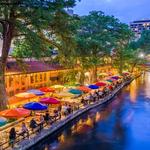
(141, 55)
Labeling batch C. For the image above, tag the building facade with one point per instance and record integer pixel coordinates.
(139, 26)
(36, 75)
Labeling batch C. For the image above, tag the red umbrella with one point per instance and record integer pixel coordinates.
(15, 113)
(101, 84)
(126, 73)
(47, 89)
(84, 89)
(49, 100)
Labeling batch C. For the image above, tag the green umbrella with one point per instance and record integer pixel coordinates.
(109, 80)
(75, 91)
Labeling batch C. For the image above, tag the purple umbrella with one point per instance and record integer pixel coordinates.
(36, 92)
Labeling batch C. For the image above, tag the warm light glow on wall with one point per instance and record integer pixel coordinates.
(147, 84)
(133, 93)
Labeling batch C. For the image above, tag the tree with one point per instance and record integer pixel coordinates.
(144, 42)
(122, 38)
(94, 40)
(35, 24)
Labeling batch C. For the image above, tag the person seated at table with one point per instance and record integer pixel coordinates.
(56, 114)
(24, 130)
(59, 113)
(82, 100)
(33, 124)
(41, 122)
(64, 110)
(47, 117)
(12, 137)
(69, 109)
(60, 108)
(100, 94)
(94, 97)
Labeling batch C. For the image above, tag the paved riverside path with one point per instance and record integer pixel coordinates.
(28, 143)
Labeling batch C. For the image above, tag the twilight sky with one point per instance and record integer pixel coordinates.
(125, 10)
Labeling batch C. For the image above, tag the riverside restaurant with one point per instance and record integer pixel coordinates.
(33, 110)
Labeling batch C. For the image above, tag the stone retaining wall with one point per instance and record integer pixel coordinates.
(26, 144)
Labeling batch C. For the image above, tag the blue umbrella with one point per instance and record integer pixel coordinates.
(36, 92)
(3, 121)
(75, 91)
(93, 87)
(35, 106)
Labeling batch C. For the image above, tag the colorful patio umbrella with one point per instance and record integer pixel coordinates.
(3, 121)
(47, 89)
(64, 94)
(35, 106)
(93, 87)
(101, 84)
(126, 73)
(84, 89)
(57, 86)
(25, 95)
(70, 85)
(102, 74)
(36, 92)
(109, 80)
(75, 91)
(116, 77)
(15, 113)
(49, 100)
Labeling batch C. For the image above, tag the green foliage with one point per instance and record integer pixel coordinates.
(144, 42)
(94, 38)
(37, 25)
(122, 39)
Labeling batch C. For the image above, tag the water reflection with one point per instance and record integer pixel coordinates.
(133, 93)
(123, 124)
(147, 85)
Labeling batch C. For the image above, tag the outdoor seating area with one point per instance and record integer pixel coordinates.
(36, 109)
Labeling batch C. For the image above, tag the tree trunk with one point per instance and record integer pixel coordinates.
(94, 74)
(81, 77)
(121, 63)
(132, 69)
(7, 38)
(3, 95)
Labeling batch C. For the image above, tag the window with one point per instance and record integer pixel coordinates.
(44, 76)
(10, 81)
(36, 78)
(40, 77)
(31, 79)
(23, 79)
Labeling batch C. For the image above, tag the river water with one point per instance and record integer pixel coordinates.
(122, 124)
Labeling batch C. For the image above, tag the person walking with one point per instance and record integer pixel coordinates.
(12, 137)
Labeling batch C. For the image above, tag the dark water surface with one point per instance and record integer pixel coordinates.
(123, 124)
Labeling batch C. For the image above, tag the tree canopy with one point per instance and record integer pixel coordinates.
(32, 25)
(38, 27)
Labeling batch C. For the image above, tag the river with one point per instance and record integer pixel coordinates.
(122, 124)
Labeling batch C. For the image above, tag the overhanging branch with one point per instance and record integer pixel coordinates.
(43, 37)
